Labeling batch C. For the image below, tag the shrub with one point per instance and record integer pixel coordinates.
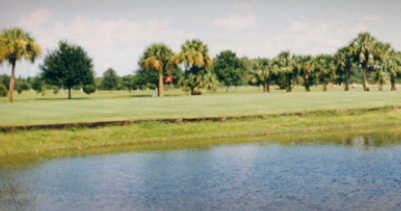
(3, 90)
(89, 89)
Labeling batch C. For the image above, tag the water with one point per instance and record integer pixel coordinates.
(252, 176)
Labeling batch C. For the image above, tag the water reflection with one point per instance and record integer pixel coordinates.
(313, 172)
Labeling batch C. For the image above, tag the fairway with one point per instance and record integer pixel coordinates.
(121, 105)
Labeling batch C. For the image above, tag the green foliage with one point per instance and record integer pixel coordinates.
(89, 89)
(22, 85)
(38, 84)
(325, 69)
(16, 44)
(229, 69)
(195, 56)
(286, 66)
(3, 90)
(149, 79)
(261, 72)
(110, 80)
(305, 66)
(5, 80)
(158, 58)
(127, 82)
(68, 66)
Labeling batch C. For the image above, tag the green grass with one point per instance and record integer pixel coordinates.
(121, 105)
(172, 135)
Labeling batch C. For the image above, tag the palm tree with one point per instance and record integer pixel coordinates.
(383, 63)
(158, 57)
(15, 44)
(195, 56)
(286, 65)
(395, 69)
(325, 67)
(261, 72)
(305, 66)
(344, 63)
(363, 48)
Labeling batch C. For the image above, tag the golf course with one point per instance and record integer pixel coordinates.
(246, 110)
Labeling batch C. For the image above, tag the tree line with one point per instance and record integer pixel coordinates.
(69, 67)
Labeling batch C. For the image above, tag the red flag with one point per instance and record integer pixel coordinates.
(168, 79)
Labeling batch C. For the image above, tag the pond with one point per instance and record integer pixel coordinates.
(357, 173)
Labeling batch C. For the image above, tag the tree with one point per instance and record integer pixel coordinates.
(195, 56)
(325, 67)
(261, 72)
(286, 65)
(158, 57)
(305, 66)
(110, 80)
(150, 79)
(363, 48)
(15, 44)
(388, 64)
(395, 68)
(127, 82)
(229, 69)
(3, 90)
(68, 66)
(344, 64)
(5, 80)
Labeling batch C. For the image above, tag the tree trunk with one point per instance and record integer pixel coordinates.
(266, 87)
(325, 82)
(69, 93)
(288, 83)
(306, 82)
(392, 80)
(364, 80)
(11, 85)
(160, 89)
(347, 75)
(381, 86)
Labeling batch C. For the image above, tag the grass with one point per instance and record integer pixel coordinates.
(350, 115)
(121, 105)
(166, 135)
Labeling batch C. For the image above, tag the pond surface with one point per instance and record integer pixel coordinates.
(253, 176)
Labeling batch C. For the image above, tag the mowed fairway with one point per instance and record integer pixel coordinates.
(122, 105)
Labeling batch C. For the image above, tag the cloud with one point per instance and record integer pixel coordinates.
(116, 43)
(371, 18)
(242, 6)
(36, 18)
(236, 22)
(303, 37)
(241, 18)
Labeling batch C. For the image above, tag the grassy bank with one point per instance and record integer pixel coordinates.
(109, 106)
(167, 135)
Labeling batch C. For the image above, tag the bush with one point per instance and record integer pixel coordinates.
(3, 90)
(89, 89)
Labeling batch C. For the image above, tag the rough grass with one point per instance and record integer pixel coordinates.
(30, 108)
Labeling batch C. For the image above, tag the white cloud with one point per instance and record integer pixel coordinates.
(303, 37)
(242, 6)
(114, 43)
(242, 18)
(236, 22)
(371, 18)
(36, 18)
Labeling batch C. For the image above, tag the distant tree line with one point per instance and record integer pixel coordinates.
(365, 59)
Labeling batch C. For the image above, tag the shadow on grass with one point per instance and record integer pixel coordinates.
(147, 95)
(61, 99)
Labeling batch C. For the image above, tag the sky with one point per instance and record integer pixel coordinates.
(116, 32)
